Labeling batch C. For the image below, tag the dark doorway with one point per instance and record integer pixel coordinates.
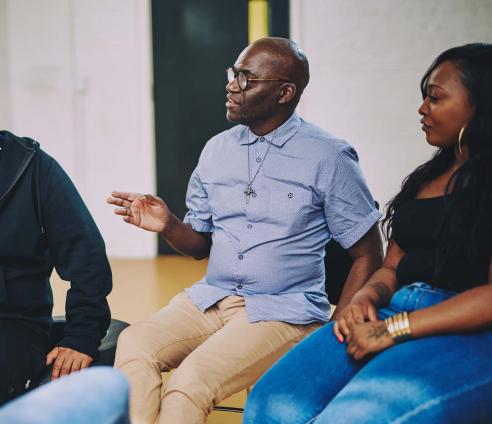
(193, 42)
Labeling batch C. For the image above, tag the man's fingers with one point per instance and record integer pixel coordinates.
(125, 195)
(119, 202)
(123, 211)
(57, 367)
(51, 356)
(150, 198)
(86, 361)
(76, 365)
(69, 361)
(67, 365)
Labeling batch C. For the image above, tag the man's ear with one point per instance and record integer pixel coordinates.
(287, 93)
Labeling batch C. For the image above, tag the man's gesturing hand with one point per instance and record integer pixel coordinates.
(66, 361)
(143, 210)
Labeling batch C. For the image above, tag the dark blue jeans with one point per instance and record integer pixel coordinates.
(439, 379)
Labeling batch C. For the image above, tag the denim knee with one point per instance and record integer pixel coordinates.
(110, 383)
(275, 407)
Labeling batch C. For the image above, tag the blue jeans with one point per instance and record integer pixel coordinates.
(92, 396)
(439, 379)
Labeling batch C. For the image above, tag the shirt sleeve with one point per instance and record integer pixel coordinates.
(349, 207)
(199, 215)
(78, 254)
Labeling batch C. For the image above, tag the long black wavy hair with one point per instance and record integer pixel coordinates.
(467, 214)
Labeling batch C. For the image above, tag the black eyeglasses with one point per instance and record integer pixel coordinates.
(242, 80)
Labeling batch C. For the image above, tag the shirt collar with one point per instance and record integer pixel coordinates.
(278, 136)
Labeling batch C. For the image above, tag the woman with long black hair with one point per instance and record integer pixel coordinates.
(415, 343)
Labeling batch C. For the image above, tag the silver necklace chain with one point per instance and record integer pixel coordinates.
(249, 190)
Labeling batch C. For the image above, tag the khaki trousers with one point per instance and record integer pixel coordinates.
(215, 354)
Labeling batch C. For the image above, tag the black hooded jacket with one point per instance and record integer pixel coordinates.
(44, 224)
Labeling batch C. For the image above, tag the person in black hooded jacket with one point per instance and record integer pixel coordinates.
(44, 224)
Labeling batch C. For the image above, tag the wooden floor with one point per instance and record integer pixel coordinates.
(143, 286)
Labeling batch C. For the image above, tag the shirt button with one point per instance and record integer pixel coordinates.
(258, 160)
(290, 195)
(240, 287)
(249, 226)
(240, 257)
(262, 138)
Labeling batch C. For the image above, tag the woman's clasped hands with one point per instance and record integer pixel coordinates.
(359, 326)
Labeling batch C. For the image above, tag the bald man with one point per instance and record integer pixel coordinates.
(264, 199)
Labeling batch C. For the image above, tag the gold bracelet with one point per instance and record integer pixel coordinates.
(398, 326)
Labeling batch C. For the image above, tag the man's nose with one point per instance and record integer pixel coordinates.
(233, 86)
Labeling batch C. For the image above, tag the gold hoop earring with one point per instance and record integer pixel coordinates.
(460, 137)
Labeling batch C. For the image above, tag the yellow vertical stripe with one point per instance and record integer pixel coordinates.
(257, 19)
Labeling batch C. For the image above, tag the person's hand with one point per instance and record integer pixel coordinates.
(66, 361)
(354, 313)
(143, 210)
(367, 338)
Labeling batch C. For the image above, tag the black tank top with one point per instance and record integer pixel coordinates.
(415, 226)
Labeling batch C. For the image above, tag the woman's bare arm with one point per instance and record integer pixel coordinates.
(466, 312)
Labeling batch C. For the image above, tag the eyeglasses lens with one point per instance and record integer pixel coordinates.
(230, 74)
(241, 79)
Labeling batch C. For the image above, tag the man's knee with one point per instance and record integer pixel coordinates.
(132, 344)
(196, 383)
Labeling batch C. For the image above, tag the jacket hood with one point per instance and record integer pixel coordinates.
(16, 153)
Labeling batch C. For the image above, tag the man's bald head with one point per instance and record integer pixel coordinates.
(284, 58)
(287, 59)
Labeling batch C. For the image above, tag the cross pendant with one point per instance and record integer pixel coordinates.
(248, 192)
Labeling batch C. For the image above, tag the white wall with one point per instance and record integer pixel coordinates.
(76, 75)
(4, 78)
(79, 80)
(367, 58)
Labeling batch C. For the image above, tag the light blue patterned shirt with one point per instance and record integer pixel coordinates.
(270, 249)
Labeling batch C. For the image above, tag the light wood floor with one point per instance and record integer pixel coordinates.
(143, 286)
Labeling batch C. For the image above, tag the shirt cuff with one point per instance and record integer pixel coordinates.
(198, 224)
(352, 236)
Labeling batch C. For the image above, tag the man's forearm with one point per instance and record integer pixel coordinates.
(360, 272)
(185, 240)
(367, 254)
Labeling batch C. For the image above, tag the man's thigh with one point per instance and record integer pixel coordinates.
(22, 358)
(236, 356)
(169, 335)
